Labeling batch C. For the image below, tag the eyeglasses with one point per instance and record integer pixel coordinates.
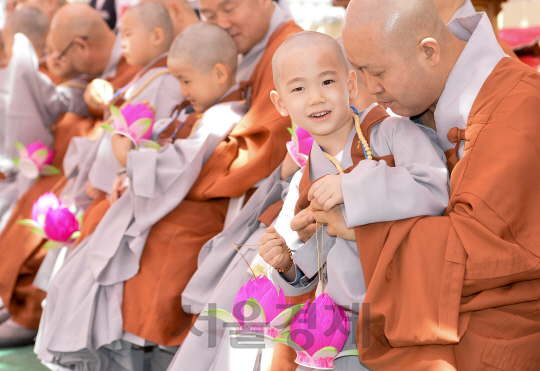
(72, 42)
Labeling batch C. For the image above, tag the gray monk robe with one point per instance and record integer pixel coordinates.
(222, 271)
(374, 191)
(94, 161)
(33, 103)
(84, 302)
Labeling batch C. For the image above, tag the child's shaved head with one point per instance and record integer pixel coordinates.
(152, 14)
(31, 22)
(203, 45)
(312, 43)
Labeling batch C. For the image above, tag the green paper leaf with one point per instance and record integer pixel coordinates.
(326, 352)
(49, 245)
(223, 315)
(282, 320)
(293, 133)
(50, 170)
(149, 144)
(347, 353)
(16, 161)
(287, 341)
(115, 111)
(38, 231)
(20, 148)
(40, 154)
(28, 223)
(108, 128)
(75, 235)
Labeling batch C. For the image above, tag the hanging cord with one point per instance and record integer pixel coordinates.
(257, 244)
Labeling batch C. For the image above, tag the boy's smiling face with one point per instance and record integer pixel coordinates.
(314, 89)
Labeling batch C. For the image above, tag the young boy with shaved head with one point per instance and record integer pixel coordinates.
(181, 13)
(365, 153)
(203, 59)
(457, 292)
(80, 35)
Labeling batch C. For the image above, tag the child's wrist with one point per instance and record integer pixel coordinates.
(291, 262)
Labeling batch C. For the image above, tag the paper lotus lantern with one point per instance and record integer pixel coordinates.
(259, 309)
(35, 160)
(51, 219)
(318, 333)
(299, 146)
(135, 122)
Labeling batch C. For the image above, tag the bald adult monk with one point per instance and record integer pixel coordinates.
(461, 291)
(86, 41)
(49, 7)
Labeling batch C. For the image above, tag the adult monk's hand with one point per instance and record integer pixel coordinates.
(335, 222)
(118, 188)
(303, 223)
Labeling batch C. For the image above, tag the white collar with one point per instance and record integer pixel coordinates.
(466, 9)
(476, 62)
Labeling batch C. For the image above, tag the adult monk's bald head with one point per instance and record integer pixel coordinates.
(247, 21)
(403, 51)
(83, 37)
(181, 14)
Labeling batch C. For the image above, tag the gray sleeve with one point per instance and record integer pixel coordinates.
(417, 185)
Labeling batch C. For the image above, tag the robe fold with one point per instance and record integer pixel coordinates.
(462, 291)
(19, 265)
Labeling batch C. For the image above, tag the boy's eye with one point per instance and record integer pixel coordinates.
(298, 89)
(378, 74)
(327, 82)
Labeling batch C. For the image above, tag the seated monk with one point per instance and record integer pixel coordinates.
(83, 38)
(461, 291)
(202, 56)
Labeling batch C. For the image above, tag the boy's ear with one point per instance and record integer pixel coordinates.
(352, 85)
(221, 72)
(278, 102)
(158, 36)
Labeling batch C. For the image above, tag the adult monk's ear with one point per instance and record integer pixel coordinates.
(221, 72)
(278, 102)
(429, 51)
(352, 85)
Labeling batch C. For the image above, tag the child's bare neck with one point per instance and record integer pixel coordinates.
(335, 142)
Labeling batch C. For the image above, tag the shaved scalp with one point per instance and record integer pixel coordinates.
(313, 42)
(401, 24)
(203, 45)
(77, 19)
(31, 22)
(152, 15)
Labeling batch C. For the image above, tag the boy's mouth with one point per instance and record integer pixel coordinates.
(319, 114)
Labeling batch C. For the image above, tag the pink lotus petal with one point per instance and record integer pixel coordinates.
(305, 141)
(60, 224)
(45, 203)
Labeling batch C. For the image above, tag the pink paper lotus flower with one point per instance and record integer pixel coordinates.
(135, 122)
(60, 224)
(318, 333)
(52, 220)
(35, 160)
(300, 145)
(259, 309)
(41, 207)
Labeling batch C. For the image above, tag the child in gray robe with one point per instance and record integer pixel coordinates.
(376, 167)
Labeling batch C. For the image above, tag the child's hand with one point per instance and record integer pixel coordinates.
(303, 224)
(327, 192)
(271, 249)
(92, 192)
(121, 147)
(98, 94)
(118, 188)
(335, 223)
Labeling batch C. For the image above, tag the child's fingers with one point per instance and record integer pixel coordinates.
(314, 188)
(330, 203)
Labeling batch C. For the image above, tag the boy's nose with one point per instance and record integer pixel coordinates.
(316, 97)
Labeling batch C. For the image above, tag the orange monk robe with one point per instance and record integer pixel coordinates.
(462, 291)
(22, 251)
(152, 306)
(43, 69)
